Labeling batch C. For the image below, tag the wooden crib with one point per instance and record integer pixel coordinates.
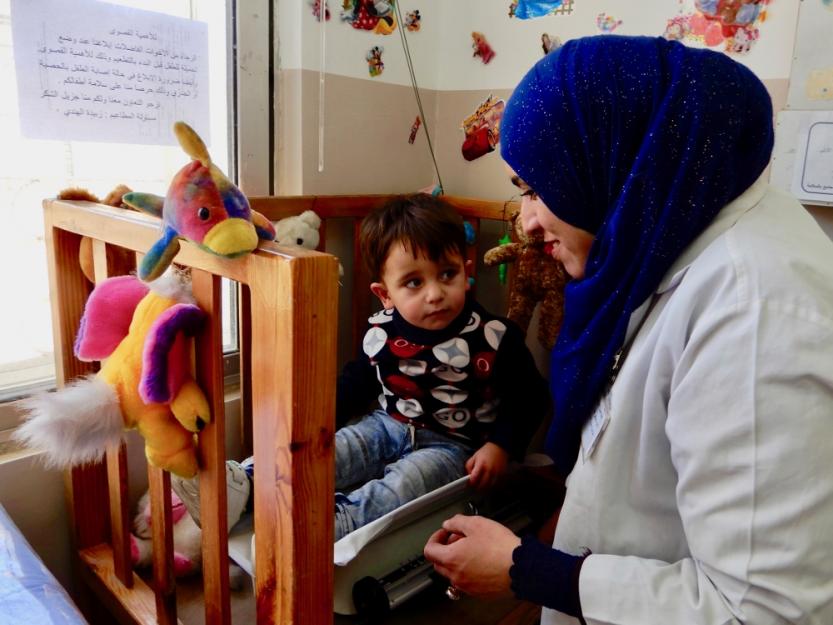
(288, 323)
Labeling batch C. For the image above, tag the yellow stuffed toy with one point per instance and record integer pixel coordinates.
(145, 382)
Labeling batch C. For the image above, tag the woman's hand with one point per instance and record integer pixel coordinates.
(474, 553)
(486, 465)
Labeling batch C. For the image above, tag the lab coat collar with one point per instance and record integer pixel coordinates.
(724, 220)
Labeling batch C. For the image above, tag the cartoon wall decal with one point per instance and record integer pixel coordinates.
(412, 20)
(482, 48)
(316, 9)
(730, 23)
(528, 9)
(607, 23)
(549, 43)
(378, 16)
(414, 128)
(375, 66)
(482, 129)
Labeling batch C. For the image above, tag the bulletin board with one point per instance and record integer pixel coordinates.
(802, 162)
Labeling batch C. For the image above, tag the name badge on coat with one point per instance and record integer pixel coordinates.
(592, 431)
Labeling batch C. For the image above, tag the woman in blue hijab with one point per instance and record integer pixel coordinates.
(691, 380)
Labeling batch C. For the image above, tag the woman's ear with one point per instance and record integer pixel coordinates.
(378, 289)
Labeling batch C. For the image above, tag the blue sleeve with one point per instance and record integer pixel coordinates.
(523, 392)
(547, 576)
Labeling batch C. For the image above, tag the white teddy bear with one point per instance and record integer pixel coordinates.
(301, 231)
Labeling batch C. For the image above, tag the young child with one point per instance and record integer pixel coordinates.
(458, 391)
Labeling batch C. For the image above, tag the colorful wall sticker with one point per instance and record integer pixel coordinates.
(316, 9)
(528, 9)
(732, 24)
(481, 47)
(549, 43)
(482, 129)
(378, 16)
(414, 127)
(412, 20)
(375, 66)
(607, 23)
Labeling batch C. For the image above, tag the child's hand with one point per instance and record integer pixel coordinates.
(486, 465)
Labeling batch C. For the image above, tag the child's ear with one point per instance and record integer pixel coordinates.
(378, 289)
(469, 268)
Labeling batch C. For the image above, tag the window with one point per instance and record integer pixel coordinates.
(31, 170)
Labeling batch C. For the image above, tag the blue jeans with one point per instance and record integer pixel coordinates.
(378, 460)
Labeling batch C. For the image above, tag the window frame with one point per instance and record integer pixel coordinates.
(251, 156)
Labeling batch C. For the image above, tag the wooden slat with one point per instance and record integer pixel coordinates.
(354, 206)
(119, 514)
(212, 452)
(162, 529)
(109, 260)
(128, 605)
(360, 302)
(86, 486)
(294, 311)
(472, 252)
(244, 316)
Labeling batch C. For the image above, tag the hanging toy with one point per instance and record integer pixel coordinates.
(538, 278)
(501, 268)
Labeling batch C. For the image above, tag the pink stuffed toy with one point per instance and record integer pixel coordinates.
(187, 538)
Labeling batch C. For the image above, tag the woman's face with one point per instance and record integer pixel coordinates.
(566, 243)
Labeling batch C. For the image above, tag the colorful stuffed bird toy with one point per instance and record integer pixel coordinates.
(203, 206)
(538, 277)
(145, 382)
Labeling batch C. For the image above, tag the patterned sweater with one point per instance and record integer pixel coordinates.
(474, 380)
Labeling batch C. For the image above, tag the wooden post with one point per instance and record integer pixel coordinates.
(162, 528)
(294, 312)
(212, 452)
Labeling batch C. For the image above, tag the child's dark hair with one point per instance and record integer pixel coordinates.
(425, 224)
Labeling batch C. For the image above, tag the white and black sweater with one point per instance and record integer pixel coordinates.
(474, 380)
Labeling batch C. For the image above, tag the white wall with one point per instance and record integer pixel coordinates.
(345, 46)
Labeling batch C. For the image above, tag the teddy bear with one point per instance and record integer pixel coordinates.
(538, 278)
(301, 231)
(117, 255)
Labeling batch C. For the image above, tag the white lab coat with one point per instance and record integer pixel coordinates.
(708, 497)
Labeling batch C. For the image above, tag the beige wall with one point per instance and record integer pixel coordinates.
(366, 128)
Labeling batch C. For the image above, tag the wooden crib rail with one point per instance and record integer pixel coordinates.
(291, 303)
(357, 206)
(288, 309)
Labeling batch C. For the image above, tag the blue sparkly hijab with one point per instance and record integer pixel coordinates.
(640, 142)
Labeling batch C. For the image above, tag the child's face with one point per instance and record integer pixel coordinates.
(428, 294)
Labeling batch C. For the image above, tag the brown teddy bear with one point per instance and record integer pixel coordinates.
(538, 277)
(85, 253)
